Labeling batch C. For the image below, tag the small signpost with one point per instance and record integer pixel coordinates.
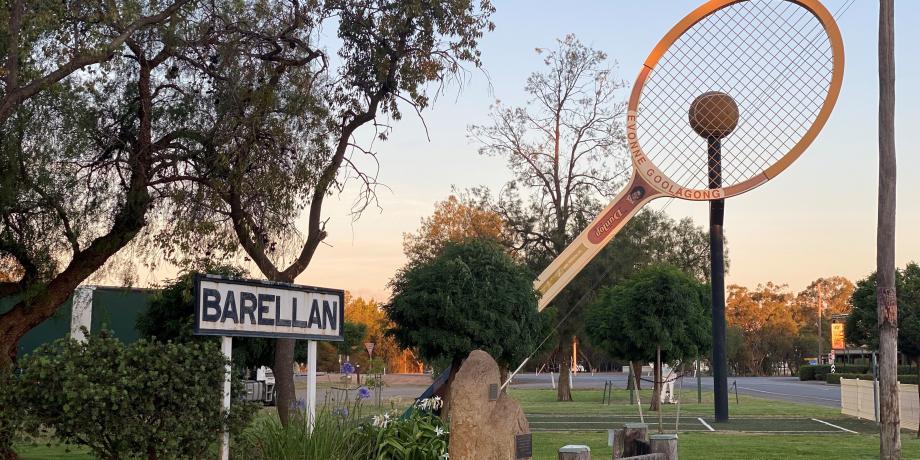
(252, 308)
(369, 346)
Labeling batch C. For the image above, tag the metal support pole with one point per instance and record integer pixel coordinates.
(717, 276)
(659, 384)
(226, 346)
(820, 334)
(699, 382)
(311, 382)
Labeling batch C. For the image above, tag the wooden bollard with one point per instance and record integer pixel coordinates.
(574, 452)
(635, 434)
(616, 440)
(664, 444)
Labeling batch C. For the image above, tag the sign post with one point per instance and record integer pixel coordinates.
(311, 382)
(250, 308)
(226, 346)
(369, 346)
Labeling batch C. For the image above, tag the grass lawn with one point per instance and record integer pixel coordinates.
(589, 402)
(28, 451)
(732, 446)
(760, 429)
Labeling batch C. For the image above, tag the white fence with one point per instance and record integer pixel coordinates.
(856, 399)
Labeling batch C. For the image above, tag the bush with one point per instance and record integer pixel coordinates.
(146, 399)
(821, 371)
(907, 370)
(807, 372)
(342, 433)
(335, 436)
(11, 415)
(418, 434)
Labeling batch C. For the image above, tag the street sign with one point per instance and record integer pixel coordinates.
(253, 308)
(369, 346)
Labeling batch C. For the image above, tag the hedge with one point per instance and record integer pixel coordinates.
(821, 371)
(143, 400)
(818, 372)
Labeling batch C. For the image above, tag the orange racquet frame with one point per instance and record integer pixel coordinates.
(648, 182)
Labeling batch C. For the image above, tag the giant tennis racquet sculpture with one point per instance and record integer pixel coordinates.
(728, 99)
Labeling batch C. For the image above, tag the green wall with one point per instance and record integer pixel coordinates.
(114, 308)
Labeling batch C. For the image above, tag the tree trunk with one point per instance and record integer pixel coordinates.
(284, 377)
(36, 308)
(637, 373)
(445, 392)
(889, 417)
(564, 390)
(656, 387)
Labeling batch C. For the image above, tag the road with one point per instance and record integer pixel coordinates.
(776, 388)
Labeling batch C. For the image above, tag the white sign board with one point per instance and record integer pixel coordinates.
(248, 308)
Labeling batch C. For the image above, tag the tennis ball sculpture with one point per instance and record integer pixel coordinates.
(713, 115)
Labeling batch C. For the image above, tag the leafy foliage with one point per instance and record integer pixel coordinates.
(417, 435)
(12, 415)
(862, 324)
(764, 318)
(150, 399)
(387, 352)
(658, 307)
(470, 296)
(333, 436)
(454, 219)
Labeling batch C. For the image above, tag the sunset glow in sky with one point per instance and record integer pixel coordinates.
(816, 219)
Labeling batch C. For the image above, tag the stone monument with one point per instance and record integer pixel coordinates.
(485, 423)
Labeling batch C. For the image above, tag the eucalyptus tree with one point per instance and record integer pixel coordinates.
(95, 157)
(565, 149)
(263, 174)
(46, 41)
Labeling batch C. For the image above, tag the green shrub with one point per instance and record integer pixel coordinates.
(807, 372)
(146, 399)
(418, 434)
(907, 370)
(11, 414)
(821, 371)
(337, 435)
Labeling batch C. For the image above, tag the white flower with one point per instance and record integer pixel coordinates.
(423, 404)
(445, 456)
(436, 403)
(438, 431)
(381, 421)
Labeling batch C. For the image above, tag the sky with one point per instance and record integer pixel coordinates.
(816, 219)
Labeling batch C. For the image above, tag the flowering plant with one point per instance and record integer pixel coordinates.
(418, 434)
